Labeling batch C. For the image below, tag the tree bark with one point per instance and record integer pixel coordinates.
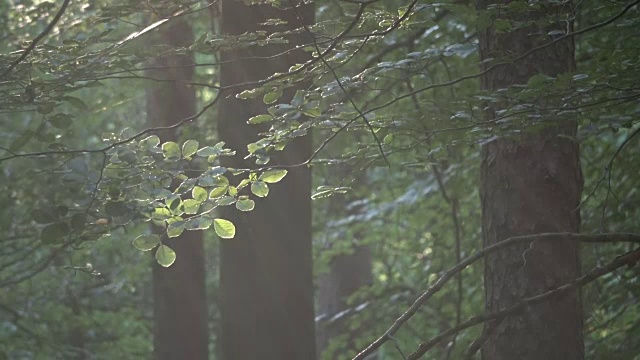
(266, 270)
(180, 308)
(531, 184)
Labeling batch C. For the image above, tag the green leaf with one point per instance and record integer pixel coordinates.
(199, 223)
(199, 194)
(502, 25)
(272, 96)
(321, 194)
(173, 202)
(224, 228)
(61, 121)
(165, 255)
(226, 200)
(243, 183)
(150, 142)
(273, 176)
(175, 229)
(248, 94)
(217, 171)
(312, 109)
(75, 102)
(208, 151)
(233, 191)
(189, 148)
(191, 206)
(161, 213)
(171, 150)
(537, 81)
(54, 233)
(218, 192)
(260, 188)
(245, 205)
(21, 140)
(42, 216)
(146, 242)
(260, 119)
(185, 186)
(115, 208)
(78, 221)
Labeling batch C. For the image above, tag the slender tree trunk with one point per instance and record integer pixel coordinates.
(531, 184)
(266, 270)
(180, 311)
(347, 274)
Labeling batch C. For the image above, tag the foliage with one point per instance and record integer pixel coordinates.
(398, 119)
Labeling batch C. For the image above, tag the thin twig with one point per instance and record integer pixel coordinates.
(35, 41)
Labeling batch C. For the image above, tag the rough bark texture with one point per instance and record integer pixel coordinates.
(266, 270)
(347, 274)
(531, 184)
(180, 311)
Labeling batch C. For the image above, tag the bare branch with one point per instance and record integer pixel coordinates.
(420, 301)
(628, 259)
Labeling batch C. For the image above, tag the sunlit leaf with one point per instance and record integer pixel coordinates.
(189, 148)
(217, 192)
(191, 206)
(245, 204)
(165, 255)
(272, 96)
(146, 242)
(199, 194)
(199, 223)
(273, 176)
(260, 188)
(260, 119)
(224, 228)
(175, 229)
(171, 150)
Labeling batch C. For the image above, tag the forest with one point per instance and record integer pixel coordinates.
(320, 179)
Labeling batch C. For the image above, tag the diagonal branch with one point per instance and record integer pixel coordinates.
(35, 41)
(628, 259)
(439, 284)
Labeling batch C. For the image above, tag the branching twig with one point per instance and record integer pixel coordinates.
(35, 41)
(346, 93)
(121, 142)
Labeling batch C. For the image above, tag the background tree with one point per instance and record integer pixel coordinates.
(531, 184)
(179, 294)
(266, 271)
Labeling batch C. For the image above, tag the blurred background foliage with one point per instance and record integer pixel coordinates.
(415, 210)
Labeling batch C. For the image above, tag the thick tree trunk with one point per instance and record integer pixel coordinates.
(531, 184)
(180, 309)
(347, 274)
(266, 270)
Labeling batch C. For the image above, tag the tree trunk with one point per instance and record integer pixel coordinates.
(266, 270)
(180, 308)
(347, 274)
(531, 184)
